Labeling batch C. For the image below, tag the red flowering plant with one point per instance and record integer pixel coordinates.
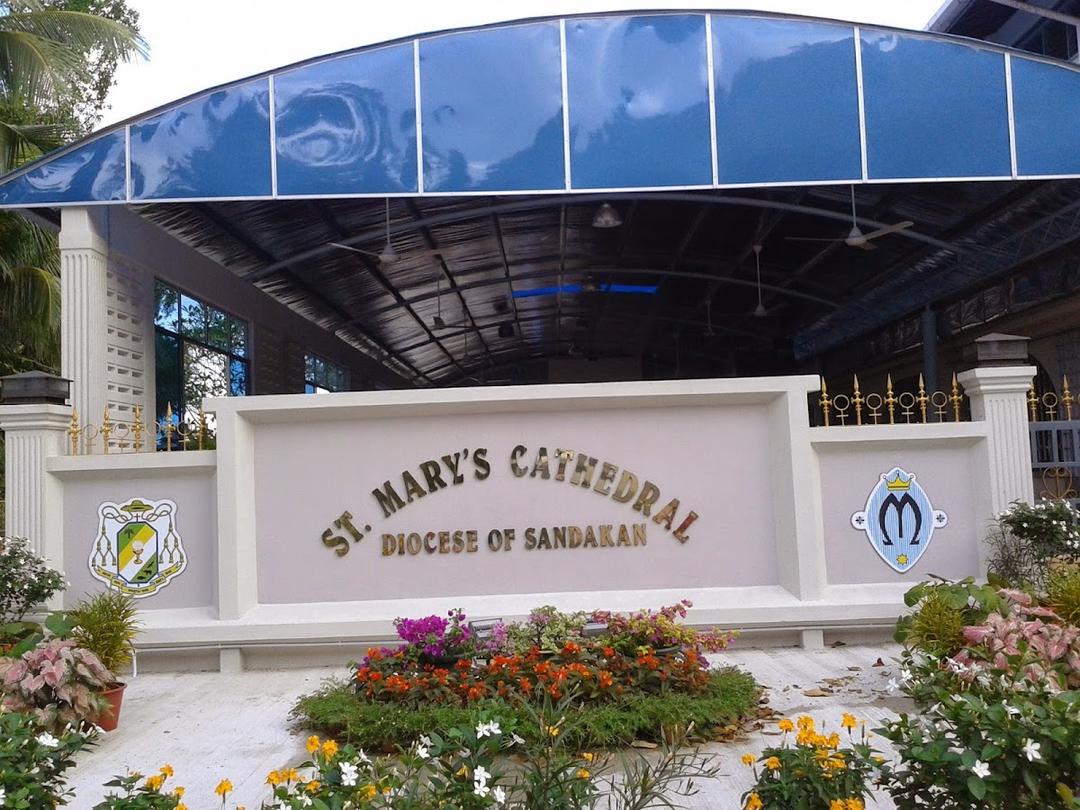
(592, 671)
(660, 630)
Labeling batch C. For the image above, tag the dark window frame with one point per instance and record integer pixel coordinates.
(312, 383)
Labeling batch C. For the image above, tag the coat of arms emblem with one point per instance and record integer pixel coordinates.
(899, 520)
(137, 550)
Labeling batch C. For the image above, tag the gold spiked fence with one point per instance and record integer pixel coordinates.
(137, 435)
(873, 408)
(1052, 407)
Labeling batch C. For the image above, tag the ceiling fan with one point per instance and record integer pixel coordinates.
(388, 255)
(856, 237)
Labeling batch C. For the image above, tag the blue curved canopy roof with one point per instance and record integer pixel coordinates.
(635, 101)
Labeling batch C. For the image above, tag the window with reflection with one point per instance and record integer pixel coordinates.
(200, 351)
(323, 377)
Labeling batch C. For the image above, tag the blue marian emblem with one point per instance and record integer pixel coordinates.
(899, 519)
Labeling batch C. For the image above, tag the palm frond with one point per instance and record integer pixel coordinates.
(78, 30)
(32, 68)
(22, 142)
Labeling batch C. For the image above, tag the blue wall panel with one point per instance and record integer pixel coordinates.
(933, 109)
(215, 146)
(348, 125)
(1046, 108)
(787, 104)
(94, 172)
(639, 101)
(492, 109)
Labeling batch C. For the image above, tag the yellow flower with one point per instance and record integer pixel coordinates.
(588, 756)
(154, 783)
(167, 770)
(462, 772)
(386, 791)
(583, 774)
(806, 723)
(837, 804)
(747, 759)
(855, 804)
(290, 775)
(833, 740)
(329, 748)
(181, 806)
(178, 791)
(313, 744)
(786, 725)
(848, 721)
(551, 731)
(369, 792)
(224, 787)
(773, 763)
(313, 786)
(753, 802)
(273, 778)
(880, 760)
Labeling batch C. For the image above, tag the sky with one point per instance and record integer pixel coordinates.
(196, 44)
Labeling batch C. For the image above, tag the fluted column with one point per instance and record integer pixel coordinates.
(998, 397)
(84, 309)
(32, 434)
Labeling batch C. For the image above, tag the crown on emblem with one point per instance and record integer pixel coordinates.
(898, 483)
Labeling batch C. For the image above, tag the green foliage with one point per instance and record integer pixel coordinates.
(26, 579)
(106, 624)
(33, 762)
(1063, 592)
(546, 628)
(1026, 539)
(137, 792)
(942, 610)
(816, 772)
(974, 750)
(336, 710)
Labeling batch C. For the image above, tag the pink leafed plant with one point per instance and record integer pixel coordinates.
(57, 682)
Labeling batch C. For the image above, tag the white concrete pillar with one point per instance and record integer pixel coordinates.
(998, 397)
(32, 434)
(237, 591)
(84, 256)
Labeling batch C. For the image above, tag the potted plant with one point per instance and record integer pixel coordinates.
(106, 624)
(57, 682)
(26, 581)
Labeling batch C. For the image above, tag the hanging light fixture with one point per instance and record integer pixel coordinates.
(759, 310)
(708, 319)
(388, 255)
(606, 216)
(438, 319)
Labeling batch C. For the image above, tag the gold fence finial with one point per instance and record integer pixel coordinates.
(73, 431)
(168, 426)
(857, 400)
(890, 400)
(1033, 403)
(106, 430)
(201, 437)
(922, 398)
(824, 401)
(956, 398)
(1067, 399)
(137, 427)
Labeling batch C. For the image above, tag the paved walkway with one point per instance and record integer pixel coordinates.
(209, 726)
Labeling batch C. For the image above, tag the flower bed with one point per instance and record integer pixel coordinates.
(626, 687)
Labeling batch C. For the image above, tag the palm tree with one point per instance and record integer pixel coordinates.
(42, 49)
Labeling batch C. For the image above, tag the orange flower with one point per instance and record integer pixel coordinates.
(606, 678)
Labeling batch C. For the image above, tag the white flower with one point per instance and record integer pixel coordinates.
(488, 729)
(516, 740)
(481, 775)
(48, 740)
(348, 774)
(481, 790)
(1031, 750)
(980, 769)
(422, 751)
(893, 685)
(1012, 711)
(362, 757)
(425, 740)
(3, 795)
(305, 800)
(500, 795)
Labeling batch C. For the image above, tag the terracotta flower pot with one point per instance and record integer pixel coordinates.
(110, 715)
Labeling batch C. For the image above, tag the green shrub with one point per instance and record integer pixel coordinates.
(942, 610)
(336, 710)
(1063, 592)
(106, 625)
(1026, 539)
(33, 762)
